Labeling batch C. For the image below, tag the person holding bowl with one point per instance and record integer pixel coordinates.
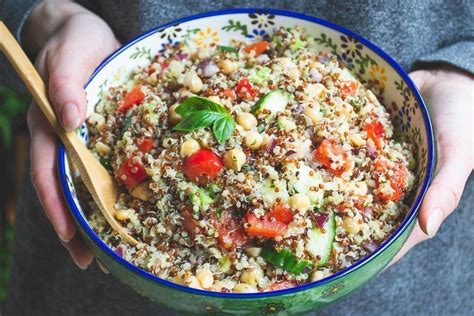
(68, 40)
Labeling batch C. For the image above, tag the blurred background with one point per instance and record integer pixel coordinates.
(13, 153)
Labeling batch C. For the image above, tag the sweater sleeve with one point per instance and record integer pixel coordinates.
(460, 55)
(15, 13)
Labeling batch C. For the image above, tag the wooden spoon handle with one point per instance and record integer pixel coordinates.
(28, 73)
(97, 180)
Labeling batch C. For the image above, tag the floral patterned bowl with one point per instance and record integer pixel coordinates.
(386, 78)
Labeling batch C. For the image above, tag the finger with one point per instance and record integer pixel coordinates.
(101, 266)
(416, 236)
(80, 254)
(69, 67)
(43, 152)
(444, 194)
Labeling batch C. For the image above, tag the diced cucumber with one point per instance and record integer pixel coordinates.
(286, 124)
(201, 198)
(319, 243)
(302, 179)
(274, 101)
(260, 75)
(286, 260)
(270, 195)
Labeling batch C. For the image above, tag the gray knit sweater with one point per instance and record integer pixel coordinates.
(435, 278)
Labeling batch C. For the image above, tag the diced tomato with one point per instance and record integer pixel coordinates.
(231, 232)
(281, 285)
(394, 173)
(229, 94)
(244, 89)
(164, 65)
(325, 153)
(132, 172)
(281, 214)
(349, 88)
(265, 227)
(145, 144)
(190, 224)
(136, 96)
(202, 166)
(376, 132)
(258, 48)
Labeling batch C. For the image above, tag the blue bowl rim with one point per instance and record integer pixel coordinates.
(398, 232)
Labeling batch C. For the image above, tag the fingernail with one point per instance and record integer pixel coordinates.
(63, 239)
(434, 222)
(70, 116)
(81, 266)
(101, 266)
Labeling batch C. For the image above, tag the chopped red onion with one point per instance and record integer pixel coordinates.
(290, 153)
(315, 75)
(299, 109)
(367, 212)
(371, 150)
(370, 246)
(208, 68)
(271, 144)
(320, 219)
(119, 250)
(182, 56)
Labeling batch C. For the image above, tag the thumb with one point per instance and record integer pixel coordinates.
(69, 67)
(444, 193)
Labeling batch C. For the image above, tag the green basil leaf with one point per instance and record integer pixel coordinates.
(194, 104)
(223, 128)
(197, 120)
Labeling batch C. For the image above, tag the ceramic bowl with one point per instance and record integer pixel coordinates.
(374, 67)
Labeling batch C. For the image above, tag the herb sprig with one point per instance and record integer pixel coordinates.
(198, 112)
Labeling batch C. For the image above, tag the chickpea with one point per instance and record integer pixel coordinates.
(299, 202)
(317, 275)
(227, 66)
(214, 98)
(247, 120)
(96, 122)
(314, 90)
(351, 225)
(183, 92)
(252, 276)
(253, 251)
(193, 282)
(141, 191)
(244, 288)
(122, 215)
(249, 276)
(205, 277)
(253, 140)
(179, 278)
(192, 81)
(313, 113)
(234, 159)
(102, 149)
(173, 117)
(356, 140)
(219, 285)
(189, 147)
(361, 188)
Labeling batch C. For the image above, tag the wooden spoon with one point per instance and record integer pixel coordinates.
(99, 182)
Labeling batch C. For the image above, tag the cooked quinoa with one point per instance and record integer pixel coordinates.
(250, 167)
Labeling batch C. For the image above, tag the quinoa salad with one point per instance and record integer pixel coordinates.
(250, 167)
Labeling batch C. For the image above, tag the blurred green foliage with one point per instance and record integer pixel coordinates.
(11, 106)
(13, 109)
